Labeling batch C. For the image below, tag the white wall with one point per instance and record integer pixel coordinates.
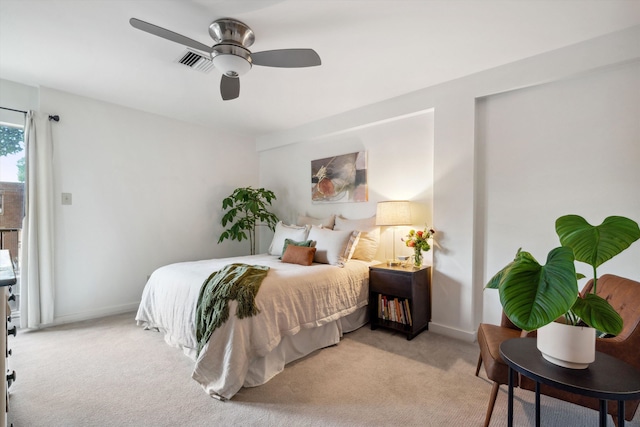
(146, 192)
(18, 96)
(399, 167)
(569, 147)
(459, 261)
(131, 181)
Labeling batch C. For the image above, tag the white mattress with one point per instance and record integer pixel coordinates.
(292, 298)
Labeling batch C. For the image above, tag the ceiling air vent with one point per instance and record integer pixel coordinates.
(196, 61)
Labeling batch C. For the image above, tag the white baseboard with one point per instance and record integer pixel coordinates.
(468, 336)
(94, 314)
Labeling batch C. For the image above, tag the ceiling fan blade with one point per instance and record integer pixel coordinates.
(286, 58)
(169, 35)
(229, 87)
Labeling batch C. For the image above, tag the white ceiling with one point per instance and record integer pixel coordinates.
(371, 50)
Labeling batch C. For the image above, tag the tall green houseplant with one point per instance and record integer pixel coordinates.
(248, 208)
(533, 295)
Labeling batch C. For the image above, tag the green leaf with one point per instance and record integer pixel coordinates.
(494, 282)
(598, 313)
(533, 295)
(595, 245)
(224, 235)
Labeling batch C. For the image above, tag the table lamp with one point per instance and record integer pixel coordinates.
(392, 214)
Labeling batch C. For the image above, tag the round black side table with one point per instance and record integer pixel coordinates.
(605, 379)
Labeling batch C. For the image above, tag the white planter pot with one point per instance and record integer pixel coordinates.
(567, 345)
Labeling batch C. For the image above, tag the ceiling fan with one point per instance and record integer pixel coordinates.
(231, 55)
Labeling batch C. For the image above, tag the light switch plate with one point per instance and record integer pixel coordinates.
(66, 198)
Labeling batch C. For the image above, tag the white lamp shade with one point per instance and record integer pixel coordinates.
(391, 213)
(231, 65)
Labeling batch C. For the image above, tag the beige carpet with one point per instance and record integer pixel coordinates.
(110, 372)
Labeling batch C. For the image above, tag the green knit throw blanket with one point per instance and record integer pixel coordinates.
(239, 282)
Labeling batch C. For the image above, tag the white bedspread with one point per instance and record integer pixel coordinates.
(291, 297)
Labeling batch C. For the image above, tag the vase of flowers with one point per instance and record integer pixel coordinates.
(419, 241)
(417, 257)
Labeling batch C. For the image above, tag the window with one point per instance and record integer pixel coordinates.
(11, 153)
(12, 177)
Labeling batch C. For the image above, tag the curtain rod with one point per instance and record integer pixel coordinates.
(11, 109)
(55, 118)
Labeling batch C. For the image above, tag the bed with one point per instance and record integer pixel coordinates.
(302, 308)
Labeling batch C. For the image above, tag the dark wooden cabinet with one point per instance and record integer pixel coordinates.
(7, 280)
(400, 298)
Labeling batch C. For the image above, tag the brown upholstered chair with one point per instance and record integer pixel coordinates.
(623, 295)
(489, 339)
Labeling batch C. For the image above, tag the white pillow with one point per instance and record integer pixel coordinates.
(333, 247)
(282, 232)
(369, 236)
(321, 222)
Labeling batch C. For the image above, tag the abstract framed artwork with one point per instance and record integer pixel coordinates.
(340, 179)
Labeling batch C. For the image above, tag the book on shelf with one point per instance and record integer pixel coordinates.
(408, 311)
(394, 309)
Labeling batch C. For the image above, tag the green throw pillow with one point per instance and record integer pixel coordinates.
(287, 242)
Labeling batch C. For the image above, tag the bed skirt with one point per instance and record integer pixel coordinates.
(306, 341)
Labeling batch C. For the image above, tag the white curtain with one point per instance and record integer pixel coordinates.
(36, 267)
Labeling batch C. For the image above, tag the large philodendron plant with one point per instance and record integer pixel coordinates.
(247, 209)
(534, 295)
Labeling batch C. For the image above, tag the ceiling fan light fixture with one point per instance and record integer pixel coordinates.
(231, 65)
(231, 60)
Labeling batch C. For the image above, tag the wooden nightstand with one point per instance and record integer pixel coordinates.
(400, 298)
